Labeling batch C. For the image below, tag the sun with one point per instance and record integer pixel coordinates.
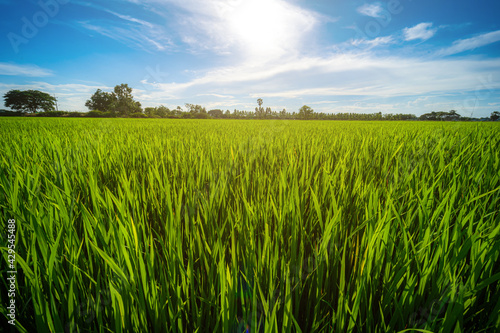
(261, 27)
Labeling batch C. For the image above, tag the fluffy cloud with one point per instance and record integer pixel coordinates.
(421, 31)
(372, 10)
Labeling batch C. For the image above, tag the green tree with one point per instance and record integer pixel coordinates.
(269, 112)
(178, 111)
(150, 111)
(259, 111)
(305, 112)
(429, 116)
(102, 101)
(197, 111)
(283, 113)
(495, 115)
(29, 101)
(452, 115)
(216, 113)
(441, 116)
(162, 111)
(125, 103)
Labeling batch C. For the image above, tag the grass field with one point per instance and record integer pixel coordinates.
(260, 226)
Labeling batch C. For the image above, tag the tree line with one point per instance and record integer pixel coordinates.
(120, 103)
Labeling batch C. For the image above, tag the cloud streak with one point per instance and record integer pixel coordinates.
(468, 44)
(131, 31)
(372, 43)
(132, 36)
(23, 70)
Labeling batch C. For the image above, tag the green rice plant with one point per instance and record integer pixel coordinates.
(252, 226)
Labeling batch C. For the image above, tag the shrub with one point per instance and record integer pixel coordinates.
(50, 114)
(6, 113)
(75, 114)
(95, 113)
(100, 114)
(138, 115)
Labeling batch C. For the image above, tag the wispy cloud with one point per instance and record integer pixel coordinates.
(372, 43)
(423, 31)
(372, 9)
(132, 19)
(23, 70)
(339, 75)
(217, 95)
(131, 31)
(133, 36)
(468, 44)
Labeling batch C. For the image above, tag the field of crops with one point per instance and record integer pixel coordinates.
(160, 225)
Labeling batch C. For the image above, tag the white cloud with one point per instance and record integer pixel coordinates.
(372, 43)
(421, 31)
(267, 61)
(218, 95)
(23, 70)
(131, 31)
(339, 75)
(468, 44)
(252, 29)
(302, 80)
(138, 36)
(132, 19)
(372, 10)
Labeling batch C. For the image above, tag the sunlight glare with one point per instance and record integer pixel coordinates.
(262, 27)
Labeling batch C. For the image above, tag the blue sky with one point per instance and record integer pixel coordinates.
(395, 56)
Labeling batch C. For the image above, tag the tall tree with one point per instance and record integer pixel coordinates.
(305, 112)
(119, 101)
(259, 111)
(29, 101)
(102, 101)
(495, 115)
(283, 113)
(125, 103)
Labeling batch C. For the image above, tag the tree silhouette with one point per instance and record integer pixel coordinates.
(29, 101)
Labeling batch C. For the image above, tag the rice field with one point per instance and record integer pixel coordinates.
(154, 225)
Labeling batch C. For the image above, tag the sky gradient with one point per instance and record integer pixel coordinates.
(336, 56)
